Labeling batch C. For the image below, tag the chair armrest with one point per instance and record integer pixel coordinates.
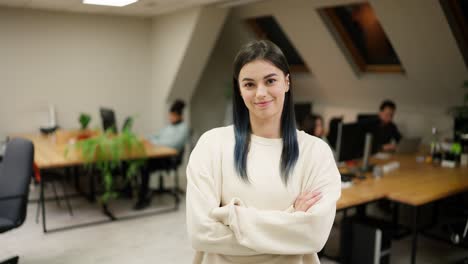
(11, 197)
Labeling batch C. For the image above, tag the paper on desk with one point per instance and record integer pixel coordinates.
(382, 155)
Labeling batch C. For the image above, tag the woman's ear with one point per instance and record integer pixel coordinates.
(287, 82)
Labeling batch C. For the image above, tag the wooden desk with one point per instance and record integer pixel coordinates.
(49, 151)
(413, 184)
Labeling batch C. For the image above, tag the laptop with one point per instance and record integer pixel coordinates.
(408, 145)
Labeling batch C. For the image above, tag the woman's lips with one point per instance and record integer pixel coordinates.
(263, 104)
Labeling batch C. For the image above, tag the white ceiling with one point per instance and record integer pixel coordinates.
(140, 8)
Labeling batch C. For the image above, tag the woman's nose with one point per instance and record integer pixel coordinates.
(261, 91)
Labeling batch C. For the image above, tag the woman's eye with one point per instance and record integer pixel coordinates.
(248, 85)
(270, 81)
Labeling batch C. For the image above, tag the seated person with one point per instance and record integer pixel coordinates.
(313, 125)
(385, 133)
(176, 133)
(173, 135)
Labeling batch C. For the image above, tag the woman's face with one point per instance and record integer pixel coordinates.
(174, 117)
(263, 87)
(319, 131)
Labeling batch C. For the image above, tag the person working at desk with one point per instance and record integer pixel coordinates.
(313, 125)
(174, 135)
(384, 131)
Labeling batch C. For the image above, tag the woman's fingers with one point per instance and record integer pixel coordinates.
(307, 200)
(312, 201)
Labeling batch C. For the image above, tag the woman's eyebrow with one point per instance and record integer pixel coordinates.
(270, 75)
(266, 77)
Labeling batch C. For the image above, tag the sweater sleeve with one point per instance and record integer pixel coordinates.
(207, 234)
(289, 232)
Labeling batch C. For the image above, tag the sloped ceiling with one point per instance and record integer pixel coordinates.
(418, 31)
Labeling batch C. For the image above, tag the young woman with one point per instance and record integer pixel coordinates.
(260, 191)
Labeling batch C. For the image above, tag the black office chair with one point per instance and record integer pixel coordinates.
(458, 234)
(50, 177)
(172, 165)
(15, 174)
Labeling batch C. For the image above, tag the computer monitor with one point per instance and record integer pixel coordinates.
(350, 141)
(333, 131)
(301, 110)
(354, 141)
(367, 117)
(108, 119)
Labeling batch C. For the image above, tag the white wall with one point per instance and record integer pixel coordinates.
(179, 57)
(77, 62)
(208, 104)
(170, 36)
(203, 39)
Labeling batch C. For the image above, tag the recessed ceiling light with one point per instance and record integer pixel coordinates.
(119, 3)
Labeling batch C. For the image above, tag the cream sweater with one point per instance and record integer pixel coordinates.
(230, 221)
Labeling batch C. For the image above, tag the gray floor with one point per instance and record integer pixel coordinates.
(155, 239)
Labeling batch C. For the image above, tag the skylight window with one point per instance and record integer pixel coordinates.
(358, 30)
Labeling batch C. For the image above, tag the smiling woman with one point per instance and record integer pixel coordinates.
(260, 191)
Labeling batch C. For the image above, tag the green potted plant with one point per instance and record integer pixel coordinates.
(84, 120)
(106, 151)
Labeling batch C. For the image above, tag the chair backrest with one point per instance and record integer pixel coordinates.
(108, 119)
(178, 159)
(15, 174)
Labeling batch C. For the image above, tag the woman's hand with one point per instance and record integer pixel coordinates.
(306, 200)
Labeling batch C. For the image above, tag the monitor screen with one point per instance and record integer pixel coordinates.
(351, 141)
(108, 119)
(333, 131)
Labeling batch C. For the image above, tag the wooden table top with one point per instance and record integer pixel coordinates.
(412, 184)
(49, 150)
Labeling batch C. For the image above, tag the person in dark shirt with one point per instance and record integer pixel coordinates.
(385, 133)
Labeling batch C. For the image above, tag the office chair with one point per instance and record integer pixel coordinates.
(458, 234)
(172, 165)
(15, 174)
(51, 176)
(108, 119)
